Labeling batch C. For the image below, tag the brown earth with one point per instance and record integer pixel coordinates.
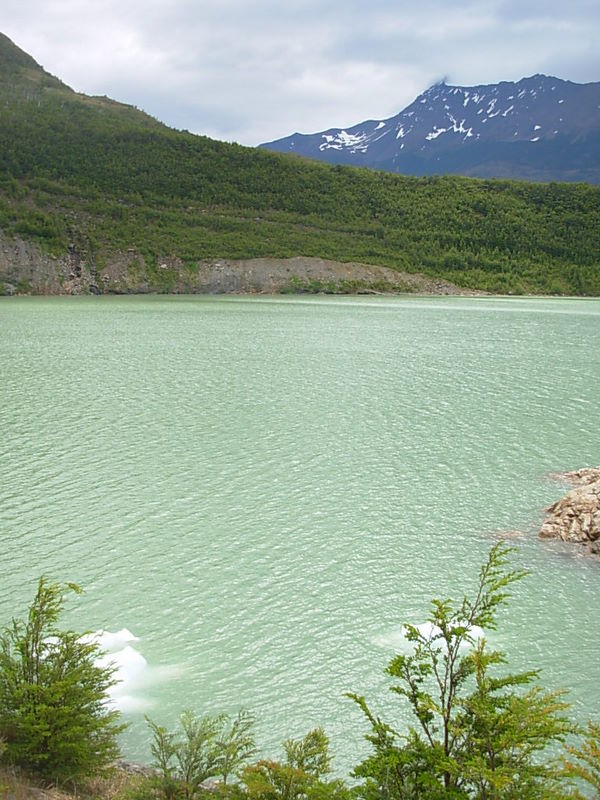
(25, 269)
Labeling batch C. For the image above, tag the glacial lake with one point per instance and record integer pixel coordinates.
(262, 490)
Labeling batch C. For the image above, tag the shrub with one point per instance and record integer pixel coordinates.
(54, 717)
(477, 733)
(204, 747)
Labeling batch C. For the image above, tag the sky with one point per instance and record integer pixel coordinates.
(251, 71)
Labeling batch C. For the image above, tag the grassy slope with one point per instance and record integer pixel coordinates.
(106, 177)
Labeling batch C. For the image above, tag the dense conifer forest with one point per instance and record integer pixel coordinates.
(90, 173)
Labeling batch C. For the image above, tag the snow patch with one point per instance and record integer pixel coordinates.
(508, 110)
(435, 133)
(536, 127)
(535, 139)
(344, 139)
(380, 126)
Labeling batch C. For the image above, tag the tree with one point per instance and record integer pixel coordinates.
(300, 776)
(236, 743)
(587, 765)
(204, 747)
(476, 733)
(53, 711)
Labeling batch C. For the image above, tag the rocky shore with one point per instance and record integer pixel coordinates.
(25, 269)
(576, 516)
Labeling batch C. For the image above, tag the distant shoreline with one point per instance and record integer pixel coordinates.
(26, 270)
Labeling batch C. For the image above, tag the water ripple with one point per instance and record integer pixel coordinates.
(264, 490)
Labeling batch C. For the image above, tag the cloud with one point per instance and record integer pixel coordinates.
(255, 70)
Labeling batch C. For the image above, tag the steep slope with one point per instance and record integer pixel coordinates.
(91, 187)
(541, 128)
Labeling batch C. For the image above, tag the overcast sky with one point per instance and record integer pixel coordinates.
(255, 70)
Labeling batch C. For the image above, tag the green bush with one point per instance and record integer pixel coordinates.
(478, 733)
(54, 718)
(301, 776)
(203, 747)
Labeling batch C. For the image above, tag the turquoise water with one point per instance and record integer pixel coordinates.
(262, 490)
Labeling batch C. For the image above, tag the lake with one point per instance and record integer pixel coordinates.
(263, 489)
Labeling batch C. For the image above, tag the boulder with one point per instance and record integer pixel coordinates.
(576, 516)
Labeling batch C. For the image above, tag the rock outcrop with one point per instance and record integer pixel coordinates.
(26, 269)
(576, 516)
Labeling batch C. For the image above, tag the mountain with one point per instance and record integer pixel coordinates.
(96, 196)
(540, 128)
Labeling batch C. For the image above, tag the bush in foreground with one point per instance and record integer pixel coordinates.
(478, 732)
(54, 718)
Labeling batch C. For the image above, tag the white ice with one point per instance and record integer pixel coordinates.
(130, 668)
(398, 640)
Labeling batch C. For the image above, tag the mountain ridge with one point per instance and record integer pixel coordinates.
(539, 128)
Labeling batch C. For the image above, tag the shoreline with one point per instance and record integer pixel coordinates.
(26, 270)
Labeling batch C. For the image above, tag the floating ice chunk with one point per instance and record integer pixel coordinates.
(397, 639)
(429, 631)
(130, 668)
(110, 642)
(128, 664)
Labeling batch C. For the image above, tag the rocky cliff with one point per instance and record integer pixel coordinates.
(25, 269)
(576, 516)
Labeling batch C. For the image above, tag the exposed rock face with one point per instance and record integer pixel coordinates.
(25, 269)
(576, 516)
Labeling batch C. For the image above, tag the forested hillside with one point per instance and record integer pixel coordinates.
(95, 176)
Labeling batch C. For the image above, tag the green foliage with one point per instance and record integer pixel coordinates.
(236, 743)
(53, 712)
(95, 172)
(203, 747)
(586, 766)
(300, 776)
(476, 733)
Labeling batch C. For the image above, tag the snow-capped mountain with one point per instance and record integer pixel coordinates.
(540, 128)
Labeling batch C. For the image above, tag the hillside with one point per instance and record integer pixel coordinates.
(90, 183)
(539, 128)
